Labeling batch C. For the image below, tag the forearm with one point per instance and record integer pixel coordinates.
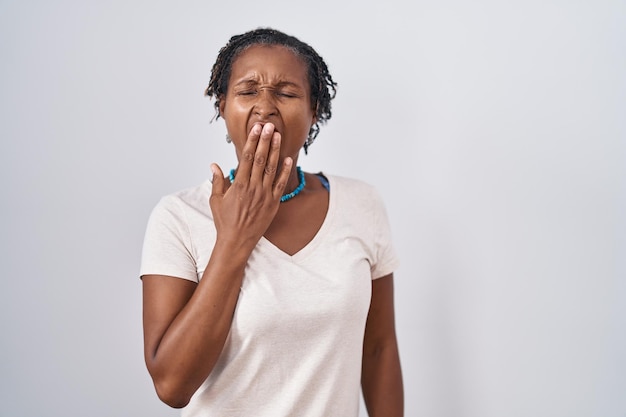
(381, 381)
(192, 343)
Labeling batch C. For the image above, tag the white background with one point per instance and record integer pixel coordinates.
(494, 130)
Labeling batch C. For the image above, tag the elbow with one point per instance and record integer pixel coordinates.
(173, 386)
(172, 395)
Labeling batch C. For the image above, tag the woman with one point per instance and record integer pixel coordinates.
(269, 292)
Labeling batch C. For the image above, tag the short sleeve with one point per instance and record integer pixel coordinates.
(386, 259)
(167, 247)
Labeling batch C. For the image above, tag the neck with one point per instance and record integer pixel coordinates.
(293, 191)
(293, 181)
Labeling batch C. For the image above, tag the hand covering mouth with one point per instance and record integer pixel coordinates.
(262, 125)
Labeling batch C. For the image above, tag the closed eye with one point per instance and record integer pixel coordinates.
(287, 93)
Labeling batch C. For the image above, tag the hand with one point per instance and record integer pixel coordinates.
(243, 213)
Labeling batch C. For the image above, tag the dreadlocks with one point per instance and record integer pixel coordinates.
(323, 88)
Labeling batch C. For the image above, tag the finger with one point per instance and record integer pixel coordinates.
(272, 161)
(217, 180)
(247, 155)
(283, 177)
(261, 154)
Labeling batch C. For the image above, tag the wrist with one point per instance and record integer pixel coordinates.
(235, 250)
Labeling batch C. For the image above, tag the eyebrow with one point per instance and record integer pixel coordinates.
(252, 81)
(245, 81)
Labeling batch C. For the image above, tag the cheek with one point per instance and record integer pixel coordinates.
(300, 116)
(305, 121)
(234, 115)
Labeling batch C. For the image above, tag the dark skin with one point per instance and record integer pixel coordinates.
(268, 114)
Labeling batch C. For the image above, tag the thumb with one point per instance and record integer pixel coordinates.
(217, 180)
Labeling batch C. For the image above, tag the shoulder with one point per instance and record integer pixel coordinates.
(350, 183)
(353, 188)
(184, 206)
(195, 196)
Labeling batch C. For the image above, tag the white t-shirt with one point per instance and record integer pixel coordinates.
(295, 343)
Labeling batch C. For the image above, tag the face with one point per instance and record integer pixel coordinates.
(269, 84)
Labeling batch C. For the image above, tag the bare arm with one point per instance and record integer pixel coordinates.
(381, 378)
(186, 324)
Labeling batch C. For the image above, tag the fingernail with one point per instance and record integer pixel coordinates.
(256, 129)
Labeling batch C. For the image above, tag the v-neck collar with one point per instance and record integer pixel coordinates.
(267, 246)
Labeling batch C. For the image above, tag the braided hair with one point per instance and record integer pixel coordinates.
(323, 88)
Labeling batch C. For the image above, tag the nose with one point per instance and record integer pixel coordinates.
(265, 105)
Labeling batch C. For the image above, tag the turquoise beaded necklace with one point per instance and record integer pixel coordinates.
(285, 197)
